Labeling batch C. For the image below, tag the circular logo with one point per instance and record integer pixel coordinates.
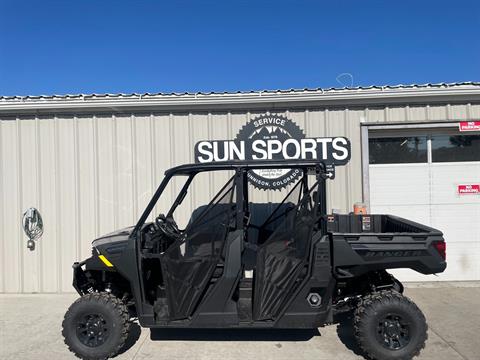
(271, 127)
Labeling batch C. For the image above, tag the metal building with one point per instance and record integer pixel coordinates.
(90, 163)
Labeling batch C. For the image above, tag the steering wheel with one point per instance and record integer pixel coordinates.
(167, 226)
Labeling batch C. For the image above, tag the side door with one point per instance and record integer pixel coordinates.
(283, 257)
(189, 264)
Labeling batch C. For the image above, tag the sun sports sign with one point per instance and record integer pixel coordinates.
(275, 137)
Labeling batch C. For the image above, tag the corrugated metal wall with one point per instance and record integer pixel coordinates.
(89, 175)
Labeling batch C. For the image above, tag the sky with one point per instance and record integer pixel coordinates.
(90, 46)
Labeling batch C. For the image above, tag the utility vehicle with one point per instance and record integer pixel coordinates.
(242, 263)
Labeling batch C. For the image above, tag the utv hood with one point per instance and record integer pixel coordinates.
(114, 237)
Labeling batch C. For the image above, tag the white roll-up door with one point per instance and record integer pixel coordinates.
(431, 177)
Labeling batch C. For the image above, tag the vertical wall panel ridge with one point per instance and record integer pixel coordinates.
(133, 153)
(96, 195)
(76, 169)
(3, 236)
(58, 212)
(153, 159)
(115, 170)
(19, 198)
(39, 197)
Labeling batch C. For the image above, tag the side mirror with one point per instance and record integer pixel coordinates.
(32, 226)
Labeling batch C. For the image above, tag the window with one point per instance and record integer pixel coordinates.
(397, 150)
(450, 148)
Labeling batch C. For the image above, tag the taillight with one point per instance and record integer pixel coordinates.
(441, 248)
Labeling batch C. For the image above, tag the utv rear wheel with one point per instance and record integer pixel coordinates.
(388, 325)
(96, 326)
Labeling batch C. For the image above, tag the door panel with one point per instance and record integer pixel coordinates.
(185, 281)
(277, 269)
(282, 258)
(189, 263)
(399, 184)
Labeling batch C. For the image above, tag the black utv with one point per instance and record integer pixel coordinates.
(242, 263)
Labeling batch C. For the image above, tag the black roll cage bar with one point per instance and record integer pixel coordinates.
(240, 168)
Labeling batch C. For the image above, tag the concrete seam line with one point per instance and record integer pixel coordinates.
(141, 345)
(448, 343)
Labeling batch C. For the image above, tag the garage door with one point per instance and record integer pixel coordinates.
(426, 177)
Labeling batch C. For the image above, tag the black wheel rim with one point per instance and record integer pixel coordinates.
(92, 330)
(393, 332)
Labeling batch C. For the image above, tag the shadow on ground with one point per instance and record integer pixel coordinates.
(133, 336)
(233, 334)
(344, 323)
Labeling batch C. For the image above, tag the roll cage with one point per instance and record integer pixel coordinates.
(240, 168)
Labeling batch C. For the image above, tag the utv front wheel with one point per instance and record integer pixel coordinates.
(96, 326)
(388, 325)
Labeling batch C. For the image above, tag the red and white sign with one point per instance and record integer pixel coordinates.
(469, 126)
(466, 189)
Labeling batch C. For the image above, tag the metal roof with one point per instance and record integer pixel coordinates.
(257, 92)
(360, 95)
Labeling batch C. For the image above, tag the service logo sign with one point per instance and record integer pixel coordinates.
(275, 137)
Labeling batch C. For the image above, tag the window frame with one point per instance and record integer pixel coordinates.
(430, 138)
(411, 135)
(428, 132)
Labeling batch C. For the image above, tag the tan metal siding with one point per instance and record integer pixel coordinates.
(89, 175)
(12, 249)
(2, 226)
(459, 112)
(474, 111)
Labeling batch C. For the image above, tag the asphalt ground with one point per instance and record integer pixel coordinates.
(30, 328)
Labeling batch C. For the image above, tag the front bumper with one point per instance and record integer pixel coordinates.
(80, 279)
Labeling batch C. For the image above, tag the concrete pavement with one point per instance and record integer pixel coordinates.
(30, 329)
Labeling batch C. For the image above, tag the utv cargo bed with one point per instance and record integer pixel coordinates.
(362, 243)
